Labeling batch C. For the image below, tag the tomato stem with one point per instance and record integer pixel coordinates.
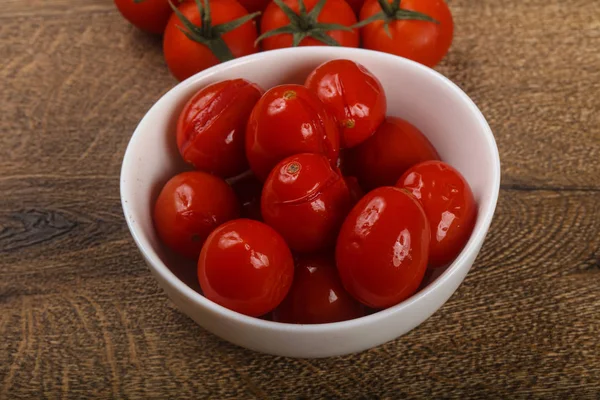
(293, 168)
(207, 34)
(305, 24)
(391, 12)
(289, 94)
(386, 7)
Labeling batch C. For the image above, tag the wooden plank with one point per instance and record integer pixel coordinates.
(81, 316)
(36, 8)
(91, 319)
(543, 111)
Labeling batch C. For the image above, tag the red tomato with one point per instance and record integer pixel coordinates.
(246, 266)
(382, 248)
(329, 27)
(352, 95)
(317, 295)
(148, 15)
(384, 157)
(411, 34)
(185, 56)
(288, 120)
(306, 201)
(212, 127)
(254, 5)
(249, 189)
(189, 207)
(449, 204)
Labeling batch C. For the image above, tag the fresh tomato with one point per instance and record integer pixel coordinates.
(290, 23)
(246, 266)
(212, 127)
(249, 189)
(254, 5)
(306, 201)
(287, 120)
(148, 15)
(382, 248)
(189, 207)
(353, 95)
(384, 157)
(317, 295)
(449, 204)
(420, 30)
(198, 38)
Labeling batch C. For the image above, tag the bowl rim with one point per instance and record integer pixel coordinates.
(159, 267)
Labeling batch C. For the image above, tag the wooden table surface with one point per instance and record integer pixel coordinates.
(80, 314)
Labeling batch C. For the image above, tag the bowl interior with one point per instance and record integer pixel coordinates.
(426, 99)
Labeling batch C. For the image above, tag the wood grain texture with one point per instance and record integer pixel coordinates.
(81, 316)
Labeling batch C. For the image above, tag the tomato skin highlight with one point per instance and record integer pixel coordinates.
(287, 120)
(186, 57)
(245, 266)
(449, 205)
(211, 128)
(353, 95)
(189, 207)
(334, 12)
(317, 295)
(306, 201)
(149, 15)
(382, 248)
(422, 41)
(396, 146)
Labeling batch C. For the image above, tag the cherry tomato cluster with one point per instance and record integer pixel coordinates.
(199, 34)
(275, 210)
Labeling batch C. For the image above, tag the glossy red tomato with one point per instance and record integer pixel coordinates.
(185, 56)
(246, 266)
(189, 207)
(248, 190)
(148, 15)
(384, 157)
(352, 95)
(288, 120)
(212, 126)
(329, 27)
(317, 295)
(382, 248)
(449, 204)
(424, 41)
(306, 201)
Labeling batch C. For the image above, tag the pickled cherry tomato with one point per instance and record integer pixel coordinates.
(306, 200)
(212, 127)
(449, 205)
(246, 266)
(353, 95)
(382, 248)
(317, 295)
(189, 207)
(384, 157)
(288, 120)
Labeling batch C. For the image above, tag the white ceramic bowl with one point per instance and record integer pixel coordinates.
(442, 111)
